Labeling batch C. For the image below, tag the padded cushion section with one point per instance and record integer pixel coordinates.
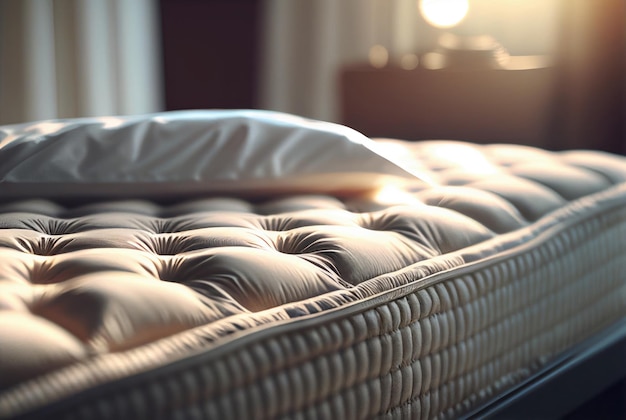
(530, 180)
(33, 345)
(142, 273)
(188, 152)
(429, 349)
(111, 311)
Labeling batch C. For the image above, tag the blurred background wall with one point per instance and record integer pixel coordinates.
(307, 44)
(68, 58)
(316, 38)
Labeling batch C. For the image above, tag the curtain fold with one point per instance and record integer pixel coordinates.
(305, 43)
(73, 58)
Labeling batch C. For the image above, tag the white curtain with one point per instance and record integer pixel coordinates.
(73, 58)
(305, 42)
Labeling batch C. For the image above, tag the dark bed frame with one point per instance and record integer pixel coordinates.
(589, 381)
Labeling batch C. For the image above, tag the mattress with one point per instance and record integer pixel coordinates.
(388, 279)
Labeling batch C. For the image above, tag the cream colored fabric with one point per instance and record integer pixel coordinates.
(423, 301)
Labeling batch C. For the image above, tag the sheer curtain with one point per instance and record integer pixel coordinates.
(72, 58)
(305, 43)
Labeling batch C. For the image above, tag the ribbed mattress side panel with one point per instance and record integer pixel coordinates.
(435, 352)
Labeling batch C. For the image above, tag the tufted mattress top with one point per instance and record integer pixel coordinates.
(95, 293)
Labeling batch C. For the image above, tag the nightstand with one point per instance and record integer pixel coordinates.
(480, 105)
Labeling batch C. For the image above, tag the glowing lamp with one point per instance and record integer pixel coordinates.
(443, 13)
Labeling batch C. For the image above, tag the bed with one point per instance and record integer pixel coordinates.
(253, 264)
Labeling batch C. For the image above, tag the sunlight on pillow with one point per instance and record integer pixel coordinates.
(182, 153)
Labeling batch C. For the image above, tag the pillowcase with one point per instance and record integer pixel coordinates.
(189, 153)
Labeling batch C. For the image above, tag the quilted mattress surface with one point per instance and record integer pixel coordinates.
(421, 302)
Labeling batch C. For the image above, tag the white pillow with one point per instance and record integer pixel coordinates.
(235, 152)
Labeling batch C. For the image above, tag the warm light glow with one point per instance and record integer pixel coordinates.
(464, 157)
(393, 195)
(409, 61)
(434, 61)
(444, 13)
(378, 56)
